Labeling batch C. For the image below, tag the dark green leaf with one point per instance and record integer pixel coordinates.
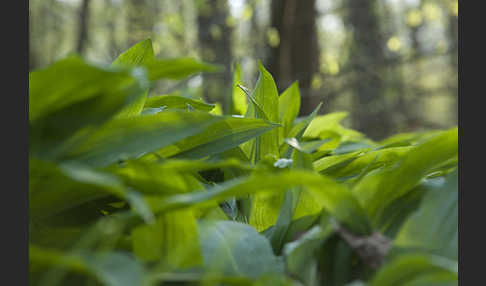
(233, 248)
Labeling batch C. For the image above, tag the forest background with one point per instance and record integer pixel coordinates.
(392, 64)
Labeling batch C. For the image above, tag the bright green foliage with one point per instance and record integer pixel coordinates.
(177, 102)
(238, 97)
(171, 240)
(128, 189)
(236, 249)
(288, 106)
(140, 54)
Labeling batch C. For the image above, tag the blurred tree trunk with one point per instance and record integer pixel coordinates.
(214, 37)
(83, 27)
(257, 40)
(453, 51)
(402, 106)
(417, 56)
(296, 57)
(111, 27)
(141, 19)
(369, 114)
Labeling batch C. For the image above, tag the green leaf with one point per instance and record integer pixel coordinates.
(337, 263)
(227, 133)
(71, 95)
(333, 197)
(376, 191)
(281, 208)
(54, 189)
(327, 163)
(238, 97)
(288, 106)
(126, 138)
(300, 255)
(434, 226)
(153, 178)
(170, 240)
(265, 95)
(417, 269)
(109, 268)
(70, 81)
(397, 212)
(354, 163)
(298, 129)
(328, 126)
(176, 101)
(232, 248)
(177, 68)
(138, 55)
(307, 147)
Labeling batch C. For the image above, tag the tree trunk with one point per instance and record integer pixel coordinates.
(369, 114)
(141, 19)
(83, 27)
(297, 55)
(453, 50)
(214, 37)
(417, 90)
(113, 49)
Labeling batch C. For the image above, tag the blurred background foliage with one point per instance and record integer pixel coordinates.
(391, 63)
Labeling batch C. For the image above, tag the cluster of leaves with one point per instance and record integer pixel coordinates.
(131, 189)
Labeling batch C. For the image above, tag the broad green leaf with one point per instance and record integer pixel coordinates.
(154, 178)
(54, 189)
(324, 122)
(225, 134)
(406, 139)
(51, 191)
(398, 211)
(238, 97)
(299, 226)
(434, 226)
(376, 191)
(351, 166)
(71, 95)
(55, 237)
(351, 146)
(295, 203)
(232, 248)
(307, 147)
(300, 255)
(71, 81)
(337, 262)
(171, 240)
(177, 101)
(337, 161)
(127, 138)
(327, 126)
(177, 68)
(417, 270)
(256, 108)
(266, 96)
(169, 178)
(288, 106)
(109, 268)
(297, 131)
(217, 110)
(138, 55)
(298, 199)
(192, 166)
(333, 197)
